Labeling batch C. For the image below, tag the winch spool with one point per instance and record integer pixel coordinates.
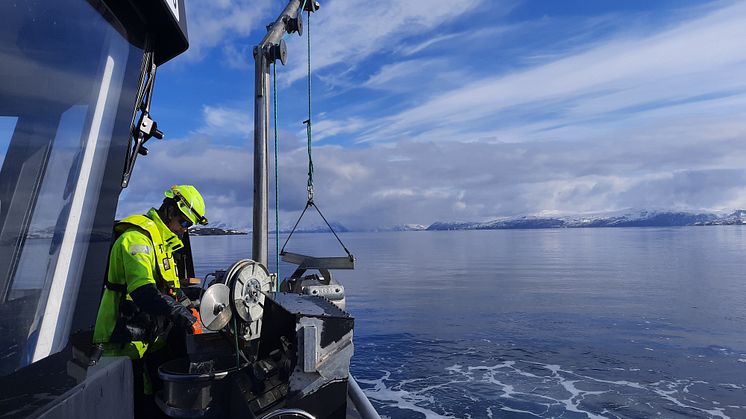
(248, 281)
(240, 291)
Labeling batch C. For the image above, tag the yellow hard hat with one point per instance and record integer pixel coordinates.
(190, 202)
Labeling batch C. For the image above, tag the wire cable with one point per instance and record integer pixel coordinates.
(308, 121)
(277, 181)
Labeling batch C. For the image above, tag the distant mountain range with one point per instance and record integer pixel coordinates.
(627, 218)
(622, 218)
(339, 228)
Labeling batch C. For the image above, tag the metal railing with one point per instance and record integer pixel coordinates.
(297, 413)
(360, 400)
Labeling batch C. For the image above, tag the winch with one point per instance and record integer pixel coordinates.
(240, 290)
(264, 349)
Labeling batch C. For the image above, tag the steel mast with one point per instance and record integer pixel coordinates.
(271, 48)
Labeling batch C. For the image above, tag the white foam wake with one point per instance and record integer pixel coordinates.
(546, 390)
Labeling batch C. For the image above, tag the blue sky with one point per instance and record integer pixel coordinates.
(463, 109)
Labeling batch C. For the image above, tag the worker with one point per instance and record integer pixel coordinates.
(139, 304)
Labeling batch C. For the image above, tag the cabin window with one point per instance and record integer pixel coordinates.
(61, 92)
(40, 247)
(7, 126)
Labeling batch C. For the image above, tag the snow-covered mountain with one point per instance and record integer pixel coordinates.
(322, 228)
(621, 218)
(736, 217)
(625, 218)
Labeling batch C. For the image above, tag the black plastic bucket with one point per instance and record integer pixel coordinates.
(193, 395)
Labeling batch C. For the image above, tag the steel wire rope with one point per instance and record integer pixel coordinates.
(277, 180)
(312, 204)
(235, 336)
(308, 121)
(277, 172)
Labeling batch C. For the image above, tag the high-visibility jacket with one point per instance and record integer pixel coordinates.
(142, 254)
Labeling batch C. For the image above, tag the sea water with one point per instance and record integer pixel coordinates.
(572, 323)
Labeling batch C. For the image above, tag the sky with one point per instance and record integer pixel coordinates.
(461, 110)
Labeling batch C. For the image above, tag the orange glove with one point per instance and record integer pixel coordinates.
(196, 326)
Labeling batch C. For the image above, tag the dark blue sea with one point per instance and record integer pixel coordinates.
(570, 323)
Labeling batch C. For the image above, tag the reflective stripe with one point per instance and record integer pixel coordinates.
(139, 248)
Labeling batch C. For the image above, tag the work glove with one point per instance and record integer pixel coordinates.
(150, 300)
(182, 318)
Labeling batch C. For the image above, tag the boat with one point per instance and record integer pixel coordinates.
(76, 85)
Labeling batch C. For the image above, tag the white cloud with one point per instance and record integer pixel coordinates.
(353, 30)
(228, 121)
(413, 49)
(215, 22)
(326, 128)
(395, 192)
(221, 173)
(700, 57)
(238, 57)
(402, 70)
